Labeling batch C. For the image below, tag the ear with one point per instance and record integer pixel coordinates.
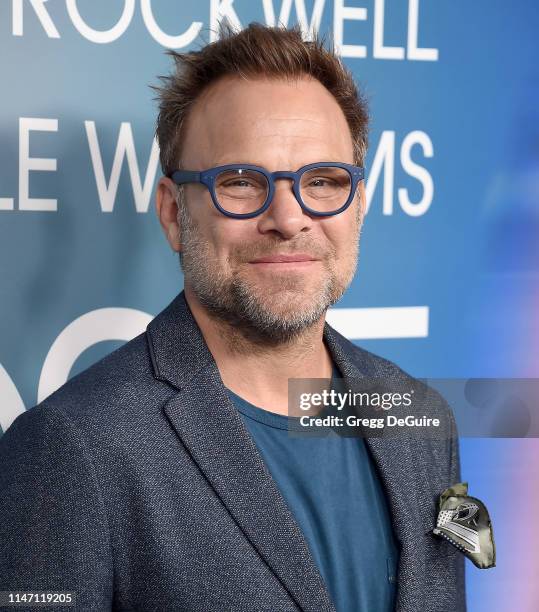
(167, 211)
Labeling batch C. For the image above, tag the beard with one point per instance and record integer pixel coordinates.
(269, 313)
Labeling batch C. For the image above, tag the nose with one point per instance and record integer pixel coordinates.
(284, 215)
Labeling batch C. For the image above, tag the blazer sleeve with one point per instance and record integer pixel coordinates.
(54, 535)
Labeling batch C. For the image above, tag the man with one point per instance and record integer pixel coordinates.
(164, 477)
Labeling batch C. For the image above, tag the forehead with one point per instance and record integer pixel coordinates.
(239, 120)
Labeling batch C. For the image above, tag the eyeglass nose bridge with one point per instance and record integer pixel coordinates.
(283, 174)
(286, 174)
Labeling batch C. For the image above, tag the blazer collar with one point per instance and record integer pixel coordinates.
(212, 430)
(178, 349)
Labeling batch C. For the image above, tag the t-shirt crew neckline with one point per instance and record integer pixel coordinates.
(273, 419)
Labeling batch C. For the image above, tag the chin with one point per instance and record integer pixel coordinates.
(293, 306)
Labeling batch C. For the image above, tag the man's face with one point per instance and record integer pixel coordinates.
(281, 126)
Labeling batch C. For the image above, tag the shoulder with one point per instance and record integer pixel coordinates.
(110, 393)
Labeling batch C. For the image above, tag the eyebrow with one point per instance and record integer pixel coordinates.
(262, 165)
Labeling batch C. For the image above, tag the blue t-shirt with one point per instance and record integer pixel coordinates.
(331, 486)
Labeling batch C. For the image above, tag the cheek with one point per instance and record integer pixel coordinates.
(225, 236)
(342, 234)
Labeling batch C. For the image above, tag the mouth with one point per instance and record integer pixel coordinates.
(285, 261)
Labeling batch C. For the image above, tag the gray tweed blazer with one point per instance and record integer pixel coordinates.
(137, 486)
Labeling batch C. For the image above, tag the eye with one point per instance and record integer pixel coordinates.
(321, 182)
(238, 183)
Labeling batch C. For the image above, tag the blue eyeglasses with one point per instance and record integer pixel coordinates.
(243, 191)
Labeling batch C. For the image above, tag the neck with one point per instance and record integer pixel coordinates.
(256, 371)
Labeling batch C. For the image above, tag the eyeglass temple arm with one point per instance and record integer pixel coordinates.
(185, 176)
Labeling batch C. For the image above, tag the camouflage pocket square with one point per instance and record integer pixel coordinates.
(464, 521)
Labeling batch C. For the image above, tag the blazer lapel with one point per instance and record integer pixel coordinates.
(394, 456)
(218, 441)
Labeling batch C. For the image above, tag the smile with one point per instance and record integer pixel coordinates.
(284, 265)
(285, 261)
